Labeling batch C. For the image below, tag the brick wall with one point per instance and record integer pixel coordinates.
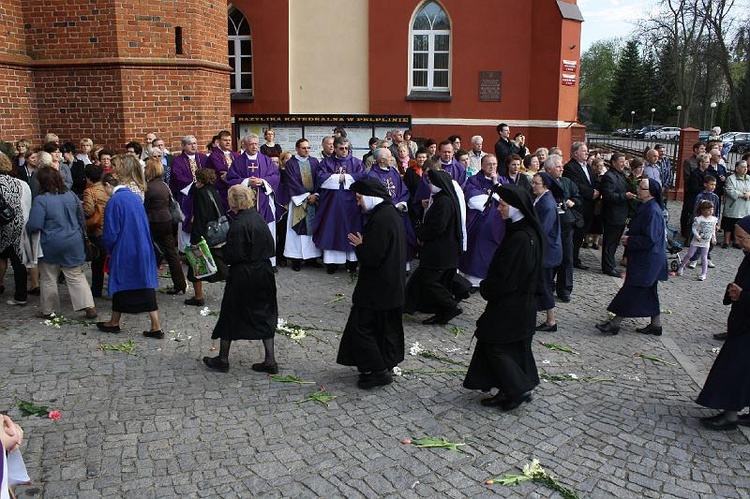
(109, 70)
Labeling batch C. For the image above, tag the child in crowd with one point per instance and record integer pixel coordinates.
(704, 234)
(708, 194)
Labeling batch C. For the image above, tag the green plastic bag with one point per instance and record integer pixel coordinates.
(200, 259)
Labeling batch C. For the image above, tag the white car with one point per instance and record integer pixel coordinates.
(664, 133)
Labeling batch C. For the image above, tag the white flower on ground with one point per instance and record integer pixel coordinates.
(397, 371)
(205, 311)
(416, 349)
(573, 376)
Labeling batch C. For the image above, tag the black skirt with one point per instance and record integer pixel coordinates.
(728, 384)
(134, 301)
(636, 301)
(373, 340)
(510, 367)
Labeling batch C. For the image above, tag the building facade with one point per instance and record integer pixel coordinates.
(114, 71)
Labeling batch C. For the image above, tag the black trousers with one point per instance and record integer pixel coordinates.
(611, 238)
(162, 235)
(19, 273)
(97, 267)
(564, 272)
(580, 233)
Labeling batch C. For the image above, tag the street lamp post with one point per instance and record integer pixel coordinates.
(679, 111)
(632, 118)
(713, 108)
(652, 116)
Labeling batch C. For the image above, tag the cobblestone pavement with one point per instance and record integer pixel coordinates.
(159, 424)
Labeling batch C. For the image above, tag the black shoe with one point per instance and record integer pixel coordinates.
(351, 267)
(107, 329)
(174, 291)
(195, 302)
(743, 420)
(275, 270)
(608, 328)
(262, 367)
(547, 328)
(650, 329)
(313, 263)
(613, 273)
(720, 424)
(564, 298)
(721, 336)
(377, 378)
(594, 246)
(725, 245)
(33, 291)
(296, 265)
(158, 334)
(216, 364)
(580, 266)
(443, 318)
(281, 261)
(499, 399)
(512, 403)
(330, 268)
(435, 319)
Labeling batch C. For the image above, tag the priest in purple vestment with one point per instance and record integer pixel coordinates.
(338, 213)
(449, 164)
(257, 172)
(220, 159)
(299, 189)
(484, 225)
(184, 167)
(389, 177)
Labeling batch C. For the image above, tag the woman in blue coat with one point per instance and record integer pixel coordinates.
(132, 264)
(546, 209)
(645, 248)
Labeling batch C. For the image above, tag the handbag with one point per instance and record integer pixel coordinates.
(174, 208)
(7, 213)
(200, 259)
(217, 230)
(91, 249)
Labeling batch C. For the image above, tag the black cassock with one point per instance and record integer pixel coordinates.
(503, 358)
(728, 384)
(373, 339)
(248, 308)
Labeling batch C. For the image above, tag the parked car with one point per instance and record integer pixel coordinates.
(703, 135)
(622, 132)
(664, 133)
(640, 134)
(740, 143)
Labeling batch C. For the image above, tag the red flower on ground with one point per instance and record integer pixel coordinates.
(54, 415)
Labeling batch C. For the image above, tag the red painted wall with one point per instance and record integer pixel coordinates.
(269, 24)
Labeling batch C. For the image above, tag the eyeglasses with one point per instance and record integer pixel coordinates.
(345, 148)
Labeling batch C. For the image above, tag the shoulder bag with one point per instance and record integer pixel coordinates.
(216, 231)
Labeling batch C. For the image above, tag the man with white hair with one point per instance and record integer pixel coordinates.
(476, 155)
(255, 170)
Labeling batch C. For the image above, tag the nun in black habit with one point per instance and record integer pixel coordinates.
(249, 310)
(503, 358)
(727, 387)
(441, 238)
(373, 339)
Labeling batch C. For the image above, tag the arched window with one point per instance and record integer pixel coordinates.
(430, 49)
(240, 53)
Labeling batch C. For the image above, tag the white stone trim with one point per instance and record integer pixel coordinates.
(493, 123)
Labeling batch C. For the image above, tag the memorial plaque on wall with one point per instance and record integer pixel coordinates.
(490, 86)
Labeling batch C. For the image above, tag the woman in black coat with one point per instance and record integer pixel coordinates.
(503, 358)
(373, 339)
(249, 310)
(727, 387)
(206, 208)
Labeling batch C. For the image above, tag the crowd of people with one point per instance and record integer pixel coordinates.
(509, 224)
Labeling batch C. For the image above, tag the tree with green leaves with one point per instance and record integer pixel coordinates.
(631, 87)
(598, 65)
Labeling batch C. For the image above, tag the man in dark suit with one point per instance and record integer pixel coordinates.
(504, 147)
(160, 151)
(616, 198)
(583, 176)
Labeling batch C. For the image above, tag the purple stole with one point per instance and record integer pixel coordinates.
(292, 186)
(337, 213)
(262, 168)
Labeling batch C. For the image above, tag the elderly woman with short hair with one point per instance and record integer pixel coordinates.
(18, 196)
(737, 206)
(249, 310)
(57, 214)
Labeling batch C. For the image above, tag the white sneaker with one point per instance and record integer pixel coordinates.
(701, 277)
(16, 303)
(692, 264)
(711, 265)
